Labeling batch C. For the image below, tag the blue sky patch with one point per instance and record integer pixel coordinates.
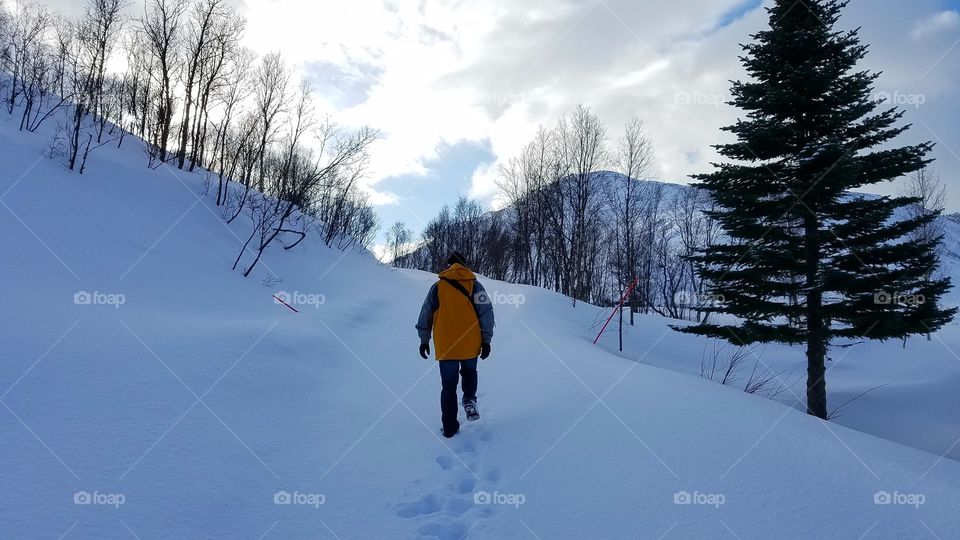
(447, 177)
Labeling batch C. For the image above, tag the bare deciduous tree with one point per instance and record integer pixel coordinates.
(397, 238)
(93, 39)
(270, 82)
(634, 155)
(931, 194)
(161, 27)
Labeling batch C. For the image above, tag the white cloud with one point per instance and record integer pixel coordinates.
(448, 72)
(938, 22)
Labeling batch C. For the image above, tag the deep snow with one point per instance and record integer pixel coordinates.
(199, 405)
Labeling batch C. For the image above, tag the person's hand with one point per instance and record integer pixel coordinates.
(484, 351)
(424, 350)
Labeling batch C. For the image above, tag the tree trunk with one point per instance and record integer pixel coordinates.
(816, 375)
(74, 148)
(620, 324)
(816, 337)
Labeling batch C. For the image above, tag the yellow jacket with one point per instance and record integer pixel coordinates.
(460, 322)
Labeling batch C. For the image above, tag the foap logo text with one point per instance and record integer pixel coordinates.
(97, 298)
(97, 498)
(297, 498)
(498, 298)
(898, 498)
(297, 298)
(498, 498)
(699, 498)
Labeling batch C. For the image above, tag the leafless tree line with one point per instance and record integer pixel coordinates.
(177, 76)
(483, 238)
(583, 218)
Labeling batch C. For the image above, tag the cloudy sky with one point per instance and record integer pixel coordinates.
(458, 86)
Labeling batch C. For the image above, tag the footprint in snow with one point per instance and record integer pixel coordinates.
(428, 504)
(445, 462)
(464, 484)
(468, 446)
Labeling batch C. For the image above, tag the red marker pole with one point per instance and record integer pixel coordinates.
(275, 297)
(619, 306)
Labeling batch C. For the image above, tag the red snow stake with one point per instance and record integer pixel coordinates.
(619, 306)
(275, 297)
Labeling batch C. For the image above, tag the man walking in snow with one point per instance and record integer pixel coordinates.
(460, 315)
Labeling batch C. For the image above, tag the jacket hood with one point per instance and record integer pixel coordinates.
(458, 272)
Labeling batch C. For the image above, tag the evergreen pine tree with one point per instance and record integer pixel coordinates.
(806, 260)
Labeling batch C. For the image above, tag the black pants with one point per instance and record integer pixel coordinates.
(450, 372)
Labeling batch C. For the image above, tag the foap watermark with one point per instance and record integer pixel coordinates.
(298, 498)
(886, 298)
(99, 499)
(901, 99)
(897, 498)
(699, 98)
(97, 298)
(699, 498)
(498, 298)
(506, 499)
(504, 99)
(690, 298)
(297, 298)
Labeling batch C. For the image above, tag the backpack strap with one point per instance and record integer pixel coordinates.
(456, 285)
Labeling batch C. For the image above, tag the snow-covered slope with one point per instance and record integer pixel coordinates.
(194, 406)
